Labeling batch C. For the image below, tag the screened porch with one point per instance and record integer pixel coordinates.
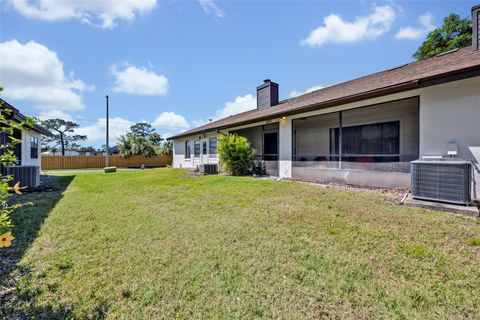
(357, 146)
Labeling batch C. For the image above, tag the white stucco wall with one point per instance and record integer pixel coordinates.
(26, 154)
(451, 113)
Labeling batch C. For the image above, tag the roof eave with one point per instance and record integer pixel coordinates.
(455, 75)
(19, 117)
(348, 99)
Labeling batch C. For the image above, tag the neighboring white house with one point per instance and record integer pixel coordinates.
(27, 152)
(364, 131)
(70, 152)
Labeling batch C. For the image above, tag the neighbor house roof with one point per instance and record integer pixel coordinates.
(444, 67)
(17, 116)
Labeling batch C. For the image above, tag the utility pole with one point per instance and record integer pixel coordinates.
(107, 147)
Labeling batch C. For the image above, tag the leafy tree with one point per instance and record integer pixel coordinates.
(140, 140)
(62, 134)
(155, 139)
(235, 154)
(7, 158)
(454, 33)
(142, 130)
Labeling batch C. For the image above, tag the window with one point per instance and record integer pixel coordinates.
(188, 152)
(212, 147)
(33, 147)
(17, 134)
(196, 148)
(204, 147)
(370, 139)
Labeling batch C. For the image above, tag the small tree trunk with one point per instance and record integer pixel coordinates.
(63, 144)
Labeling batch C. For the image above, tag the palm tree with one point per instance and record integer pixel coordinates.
(130, 145)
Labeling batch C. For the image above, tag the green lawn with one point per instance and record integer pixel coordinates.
(162, 244)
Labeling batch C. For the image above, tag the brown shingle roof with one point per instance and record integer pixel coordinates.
(403, 78)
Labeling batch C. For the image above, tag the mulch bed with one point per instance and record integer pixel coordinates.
(396, 192)
(47, 184)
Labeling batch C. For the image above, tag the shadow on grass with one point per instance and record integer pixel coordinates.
(20, 304)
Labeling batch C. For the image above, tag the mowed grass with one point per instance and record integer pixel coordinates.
(162, 244)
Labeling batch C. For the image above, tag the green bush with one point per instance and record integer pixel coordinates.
(236, 154)
(8, 158)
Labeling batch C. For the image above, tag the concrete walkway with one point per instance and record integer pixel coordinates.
(471, 210)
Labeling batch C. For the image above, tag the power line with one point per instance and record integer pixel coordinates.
(77, 119)
(92, 120)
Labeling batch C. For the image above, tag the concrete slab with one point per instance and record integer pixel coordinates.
(471, 211)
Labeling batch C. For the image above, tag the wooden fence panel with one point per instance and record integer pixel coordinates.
(86, 162)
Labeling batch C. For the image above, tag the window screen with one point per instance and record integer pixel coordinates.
(188, 152)
(196, 148)
(33, 147)
(370, 139)
(212, 147)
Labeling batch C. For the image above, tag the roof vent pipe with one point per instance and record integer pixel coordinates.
(267, 94)
(476, 27)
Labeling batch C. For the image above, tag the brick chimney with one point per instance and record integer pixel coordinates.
(476, 27)
(267, 94)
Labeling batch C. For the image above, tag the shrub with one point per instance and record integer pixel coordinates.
(7, 158)
(236, 154)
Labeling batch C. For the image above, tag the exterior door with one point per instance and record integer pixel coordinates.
(270, 146)
(270, 150)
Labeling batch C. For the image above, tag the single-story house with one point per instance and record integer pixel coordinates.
(365, 131)
(68, 152)
(27, 152)
(71, 152)
(79, 152)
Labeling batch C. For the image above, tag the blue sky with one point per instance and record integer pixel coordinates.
(178, 63)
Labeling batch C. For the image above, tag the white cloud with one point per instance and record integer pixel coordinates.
(139, 81)
(54, 114)
(241, 104)
(170, 120)
(294, 93)
(200, 122)
(337, 30)
(426, 25)
(34, 73)
(210, 7)
(96, 133)
(101, 13)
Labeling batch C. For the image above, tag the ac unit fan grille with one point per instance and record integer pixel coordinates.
(28, 176)
(208, 168)
(441, 181)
